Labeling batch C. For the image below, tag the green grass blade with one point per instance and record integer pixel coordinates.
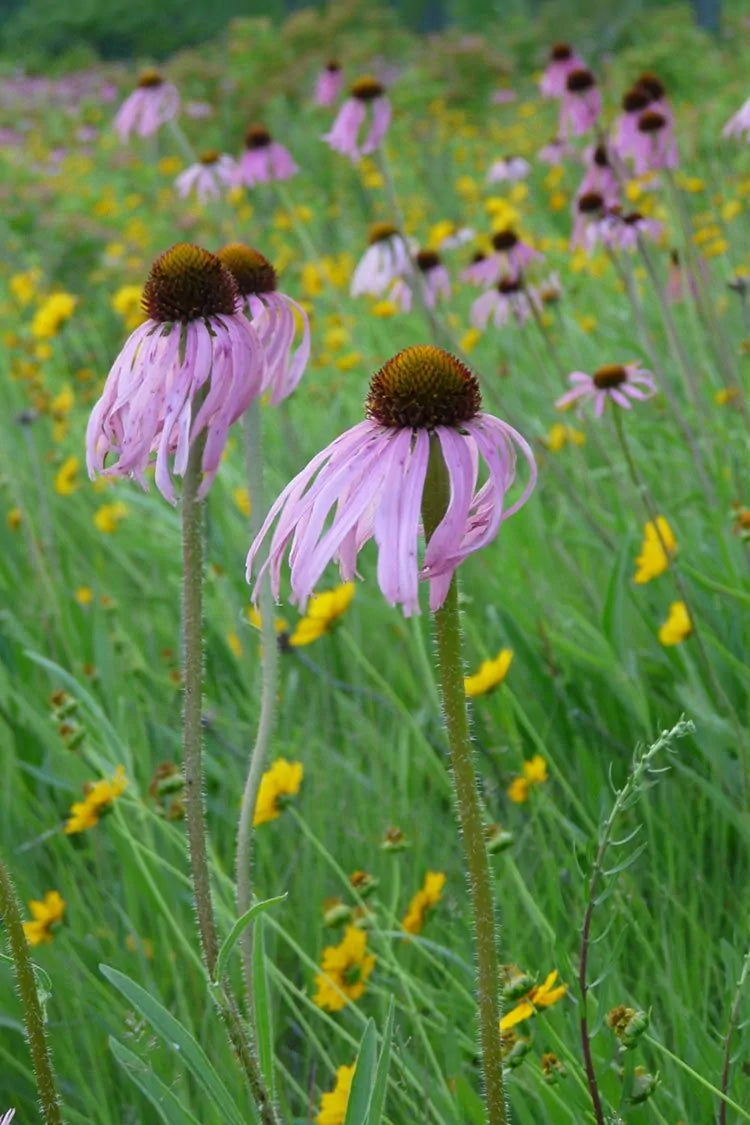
(236, 931)
(377, 1101)
(358, 1109)
(170, 1109)
(262, 1007)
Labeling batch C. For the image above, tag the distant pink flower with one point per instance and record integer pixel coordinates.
(562, 60)
(192, 368)
(555, 151)
(199, 111)
(510, 256)
(368, 484)
(508, 300)
(623, 229)
(344, 134)
(511, 168)
(386, 258)
(739, 124)
(264, 160)
(581, 104)
(614, 381)
(208, 178)
(599, 176)
(433, 277)
(503, 96)
(275, 317)
(588, 214)
(626, 126)
(151, 105)
(7, 1117)
(328, 84)
(683, 281)
(654, 146)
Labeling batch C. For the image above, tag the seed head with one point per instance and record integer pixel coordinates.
(590, 202)
(257, 136)
(651, 121)
(653, 85)
(366, 89)
(505, 239)
(578, 81)
(427, 260)
(251, 270)
(560, 52)
(149, 79)
(380, 232)
(636, 99)
(608, 376)
(423, 387)
(187, 283)
(211, 156)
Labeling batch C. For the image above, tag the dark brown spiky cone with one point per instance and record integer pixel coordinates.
(427, 260)
(590, 202)
(187, 283)
(651, 121)
(504, 240)
(423, 387)
(367, 89)
(608, 376)
(257, 136)
(560, 52)
(250, 269)
(380, 232)
(578, 81)
(148, 79)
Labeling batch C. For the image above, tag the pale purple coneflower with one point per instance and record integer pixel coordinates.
(510, 168)
(511, 255)
(328, 84)
(738, 124)
(7, 1117)
(274, 316)
(600, 176)
(657, 94)
(503, 96)
(459, 236)
(510, 299)
(369, 483)
(654, 146)
(625, 133)
(151, 105)
(344, 134)
(615, 381)
(581, 104)
(588, 219)
(209, 177)
(264, 160)
(555, 151)
(682, 281)
(432, 276)
(562, 60)
(387, 257)
(191, 369)
(199, 111)
(622, 229)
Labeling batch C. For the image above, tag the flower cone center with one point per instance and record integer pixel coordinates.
(148, 79)
(610, 375)
(209, 157)
(257, 136)
(427, 260)
(561, 52)
(505, 239)
(380, 232)
(423, 387)
(579, 80)
(251, 270)
(188, 283)
(651, 121)
(366, 89)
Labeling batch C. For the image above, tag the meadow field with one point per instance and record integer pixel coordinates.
(575, 949)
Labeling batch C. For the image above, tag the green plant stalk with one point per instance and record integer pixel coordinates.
(252, 437)
(448, 637)
(33, 1017)
(192, 750)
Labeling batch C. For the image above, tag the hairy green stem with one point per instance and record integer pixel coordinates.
(448, 636)
(33, 1017)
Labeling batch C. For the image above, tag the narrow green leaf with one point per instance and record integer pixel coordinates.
(170, 1109)
(377, 1101)
(262, 1008)
(179, 1039)
(358, 1109)
(236, 932)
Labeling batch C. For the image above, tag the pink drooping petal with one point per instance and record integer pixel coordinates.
(397, 518)
(345, 130)
(381, 119)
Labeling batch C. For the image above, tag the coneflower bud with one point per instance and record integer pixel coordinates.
(643, 1087)
(423, 387)
(497, 838)
(188, 283)
(515, 982)
(560, 52)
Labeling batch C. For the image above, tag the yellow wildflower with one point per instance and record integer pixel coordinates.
(586, 322)
(541, 996)
(384, 308)
(518, 790)
(50, 317)
(503, 213)
(323, 610)
(127, 303)
(491, 673)
(345, 969)
(282, 780)
(678, 625)
(108, 516)
(534, 773)
(97, 798)
(425, 899)
(559, 435)
(349, 361)
(336, 338)
(84, 595)
(23, 286)
(63, 402)
(312, 279)
(241, 497)
(14, 519)
(726, 395)
(45, 915)
(730, 210)
(66, 481)
(470, 339)
(254, 618)
(333, 1105)
(654, 558)
(235, 644)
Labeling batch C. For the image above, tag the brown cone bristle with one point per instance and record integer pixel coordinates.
(427, 260)
(651, 121)
(251, 270)
(423, 387)
(608, 376)
(257, 136)
(636, 99)
(579, 81)
(333, 67)
(507, 285)
(380, 232)
(589, 202)
(209, 157)
(478, 256)
(504, 239)
(560, 52)
(366, 89)
(632, 218)
(148, 79)
(601, 158)
(187, 283)
(652, 84)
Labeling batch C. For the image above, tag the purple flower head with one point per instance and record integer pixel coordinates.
(511, 255)
(738, 124)
(581, 104)
(588, 217)
(509, 299)
(189, 371)
(344, 134)
(386, 258)
(151, 105)
(600, 176)
(432, 276)
(511, 168)
(654, 146)
(622, 229)
(634, 103)
(208, 177)
(264, 159)
(503, 96)
(369, 483)
(562, 60)
(274, 317)
(555, 152)
(614, 381)
(328, 84)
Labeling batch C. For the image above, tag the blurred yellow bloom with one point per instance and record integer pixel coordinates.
(716, 249)
(66, 481)
(235, 644)
(97, 799)
(468, 189)
(333, 1105)
(470, 339)
(534, 773)
(491, 673)
(254, 618)
(349, 361)
(335, 339)
(678, 625)
(502, 213)
(45, 915)
(384, 308)
(654, 559)
(691, 184)
(559, 435)
(726, 395)
(312, 279)
(23, 286)
(554, 177)
(14, 519)
(108, 516)
(127, 303)
(52, 314)
(518, 193)
(586, 322)
(169, 165)
(63, 402)
(241, 497)
(557, 201)
(345, 969)
(281, 781)
(541, 996)
(705, 234)
(424, 900)
(322, 611)
(518, 790)
(84, 595)
(730, 210)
